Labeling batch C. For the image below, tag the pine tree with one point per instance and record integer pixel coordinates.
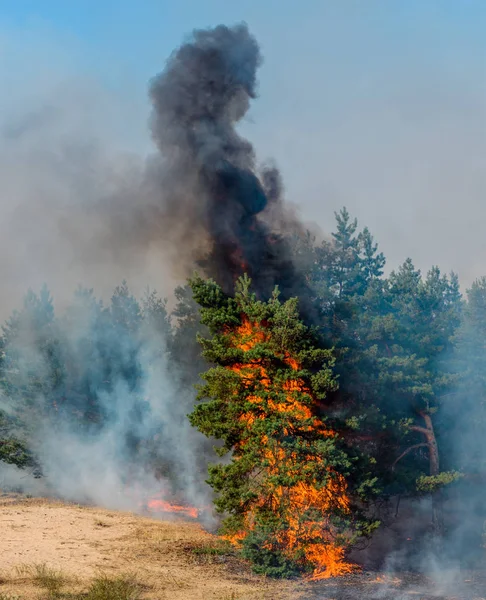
(412, 329)
(83, 326)
(393, 343)
(467, 410)
(342, 271)
(185, 350)
(347, 264)
(121, 340)
(32, 376)
(347, 274)
(155, 317)
(13, 449)
(290, 487)
(32, 361)
(372, 262)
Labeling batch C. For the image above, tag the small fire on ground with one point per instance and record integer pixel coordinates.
(163, 507)
(160, 505)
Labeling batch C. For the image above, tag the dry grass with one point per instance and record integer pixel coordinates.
(56, 551)
(121, 587)
(101, 523)
(52, 550)
(50, 580)
(215, 552)
(54, 585)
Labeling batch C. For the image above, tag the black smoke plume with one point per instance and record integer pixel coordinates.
(214, 200)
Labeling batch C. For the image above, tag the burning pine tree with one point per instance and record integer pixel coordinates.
(288, 489)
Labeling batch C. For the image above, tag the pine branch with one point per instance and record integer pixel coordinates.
(403, 454)
(419, 429)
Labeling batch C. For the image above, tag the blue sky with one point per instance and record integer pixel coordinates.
(378, 105)
(351, 34)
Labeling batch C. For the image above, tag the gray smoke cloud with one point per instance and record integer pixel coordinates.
(86, 214)
(56, 227)
(75, 209)
(69, 144)
(197, 202)
(101, 404)
(98, 467)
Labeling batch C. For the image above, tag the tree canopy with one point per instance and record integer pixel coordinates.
(309, 417)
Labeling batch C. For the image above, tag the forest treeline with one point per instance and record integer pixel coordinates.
(393, 366)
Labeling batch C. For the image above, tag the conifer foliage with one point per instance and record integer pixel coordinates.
(287, 487)
(383, 397)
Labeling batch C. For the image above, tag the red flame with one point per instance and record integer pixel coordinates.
(164, 503)
(167, 507)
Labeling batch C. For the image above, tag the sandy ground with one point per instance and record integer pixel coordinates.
(164, 556)
(82, 542)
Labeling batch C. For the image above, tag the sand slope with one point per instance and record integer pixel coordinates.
(83, 541)
(166, 557)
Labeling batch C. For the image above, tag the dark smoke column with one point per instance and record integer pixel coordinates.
(211, 195)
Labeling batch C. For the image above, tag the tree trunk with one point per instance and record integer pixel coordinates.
(434, 469)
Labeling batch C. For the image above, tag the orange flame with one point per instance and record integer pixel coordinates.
(168, 507)
(302, 534)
